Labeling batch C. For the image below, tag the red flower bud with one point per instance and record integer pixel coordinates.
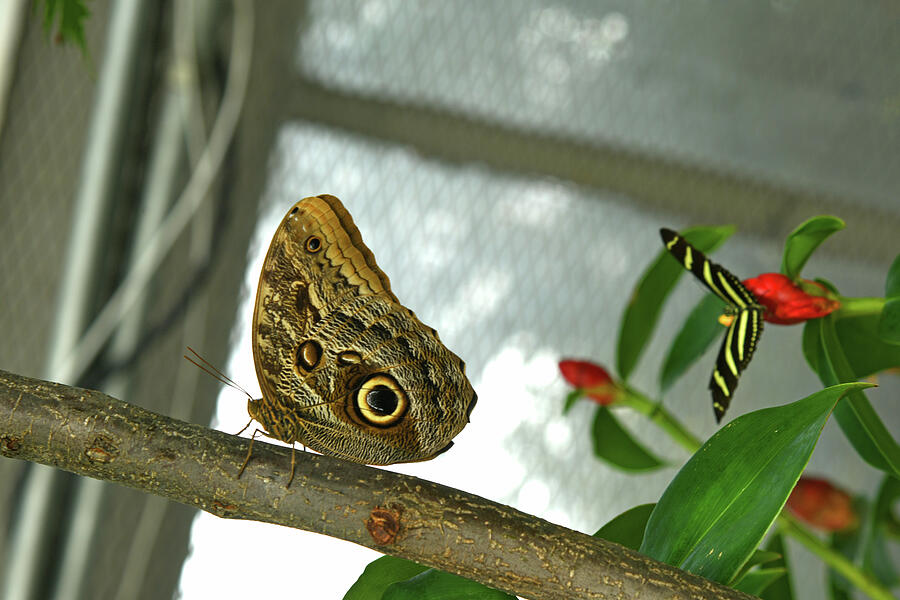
(592, 379)
(822, 505)
(787, 302)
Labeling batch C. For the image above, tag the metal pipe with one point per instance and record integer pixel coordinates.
(33, 532)
(12, 19)
(166, 159)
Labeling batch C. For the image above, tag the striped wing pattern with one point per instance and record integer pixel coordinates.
(743, 333)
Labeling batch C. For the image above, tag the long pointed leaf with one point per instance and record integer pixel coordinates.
(755, 582)
(439, 585)
(759, 557)
(379, 575)
(863, 345)
(720, 505)
(858, 420)
(812, 348)
(699, 331)
(837, 592)
(889, 321)
(876, 557)
(571, 398)
(615, 445)
(650, 295)
(847, 543)
(803, 241)
(892, 282)
(781, 589)
(627, 529)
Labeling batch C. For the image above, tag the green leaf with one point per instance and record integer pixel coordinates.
(837, 592)
(72, 15)
(781, 589)
(650, 295)
(381, 573)
(855, 415)
(438, 585)
(615, 445)
(892, 283)
(700, 329)
(889, 323)
(755, 582)
(761, 557)
(865, 545)
(719, 506)
(847, 544)
(876, 557)
(812, 347)
(50, 8)
(864, 348)
(627, 529)
(758, 557)
(879, 562)
(803, 241)
(888, 494)
(571, 398)
(828, 285)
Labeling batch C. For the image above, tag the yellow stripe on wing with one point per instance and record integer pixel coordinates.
(671, 244)
(733, 296)
(707, 275)
(742, 333)
(720, 381)
(726, 349)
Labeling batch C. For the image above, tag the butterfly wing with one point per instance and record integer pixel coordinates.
(743, 334)
(344, 368)
(734, 355)
(316, 240)
(720, 281)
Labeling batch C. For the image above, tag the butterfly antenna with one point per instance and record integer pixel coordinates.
(213, 372)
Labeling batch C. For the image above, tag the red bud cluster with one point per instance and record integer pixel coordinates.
(591, 378)
(819, 503)
(788, 302)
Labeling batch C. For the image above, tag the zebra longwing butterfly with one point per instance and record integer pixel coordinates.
(746, 327)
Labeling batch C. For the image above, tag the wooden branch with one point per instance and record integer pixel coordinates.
(98, 436)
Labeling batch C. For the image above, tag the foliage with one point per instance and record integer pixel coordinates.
(71, 15)
(729, 495)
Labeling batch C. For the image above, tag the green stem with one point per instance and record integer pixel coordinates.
(833, 559)
(858, 307)
(662, 417)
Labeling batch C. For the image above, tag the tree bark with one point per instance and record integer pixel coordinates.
(95, 435)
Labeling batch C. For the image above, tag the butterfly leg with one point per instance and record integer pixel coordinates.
(249, 451)
(244, 428)
(293, 464)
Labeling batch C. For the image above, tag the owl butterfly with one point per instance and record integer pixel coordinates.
(344, 368)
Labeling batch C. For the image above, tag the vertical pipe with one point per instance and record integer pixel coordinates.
(33, 532)
(79, 539)
(12, 19)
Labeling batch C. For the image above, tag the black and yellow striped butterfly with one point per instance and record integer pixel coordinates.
(745, 329)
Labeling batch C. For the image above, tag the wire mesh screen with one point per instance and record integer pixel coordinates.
(509, 164)
(784, 91)
(40, 147)
(40, 150)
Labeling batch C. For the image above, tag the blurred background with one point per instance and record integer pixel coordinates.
(508, 163)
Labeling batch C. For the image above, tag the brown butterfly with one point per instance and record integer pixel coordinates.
(345, 369)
